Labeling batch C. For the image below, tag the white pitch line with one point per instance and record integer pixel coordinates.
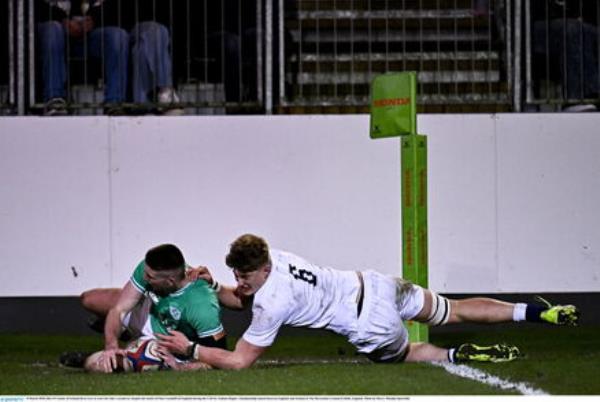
(471, 373)
(459, 370)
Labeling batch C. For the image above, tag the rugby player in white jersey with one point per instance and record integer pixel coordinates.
(368, 308)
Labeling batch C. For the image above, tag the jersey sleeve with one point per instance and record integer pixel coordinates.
(264, 325)
(137, 278)
(204, 315)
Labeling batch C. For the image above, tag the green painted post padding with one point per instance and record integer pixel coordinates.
(394, 113)
(414, 220)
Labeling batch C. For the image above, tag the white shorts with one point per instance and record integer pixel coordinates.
(387, 302)
(137, 321)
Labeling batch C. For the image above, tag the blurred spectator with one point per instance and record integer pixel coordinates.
(86, 24)
(565, 41)
(222, 46)
(240, 50)
(152, 71)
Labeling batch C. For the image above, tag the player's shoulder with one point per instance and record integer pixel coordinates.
(195, 293)
(197, 297)
(200, 286)
(140, 266)
(282, 259)
(277, 255)
(275, 298)
(277, 290)
(137, 277)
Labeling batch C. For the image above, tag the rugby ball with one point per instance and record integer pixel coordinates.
(142, 356)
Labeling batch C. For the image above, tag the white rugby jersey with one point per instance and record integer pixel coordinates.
(301, 294)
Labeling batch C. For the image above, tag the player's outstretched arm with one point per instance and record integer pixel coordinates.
(170, 361)
(129, 297)
(244, 355)
(228, 296)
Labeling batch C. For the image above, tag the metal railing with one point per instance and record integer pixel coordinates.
(287, 56)
(7, 53)
(140, 56)
(562, 48)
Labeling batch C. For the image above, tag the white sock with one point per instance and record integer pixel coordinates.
(519, 312)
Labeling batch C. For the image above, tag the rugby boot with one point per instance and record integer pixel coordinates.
(559, 315)
(499, 353)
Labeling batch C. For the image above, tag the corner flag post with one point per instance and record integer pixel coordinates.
(393, 113)
(414, 220)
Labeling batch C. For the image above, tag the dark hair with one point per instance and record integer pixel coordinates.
(248, 253)
(165, 257)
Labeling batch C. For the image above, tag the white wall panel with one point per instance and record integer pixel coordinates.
(462, 202)
(548, 200)
(513, 198)
(53, 205)
(315, 185)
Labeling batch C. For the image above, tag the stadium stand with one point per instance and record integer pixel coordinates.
(309, 56)
(337, 47)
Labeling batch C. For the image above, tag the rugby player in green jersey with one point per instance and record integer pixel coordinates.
(157, 299)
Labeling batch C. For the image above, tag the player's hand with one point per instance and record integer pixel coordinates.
(200, 272)
(175, 342)
(108, 359)
(168, 358)
(171, 362)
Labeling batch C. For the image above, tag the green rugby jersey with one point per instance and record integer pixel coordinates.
(193, 309)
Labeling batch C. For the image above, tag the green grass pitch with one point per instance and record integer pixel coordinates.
(563, 361)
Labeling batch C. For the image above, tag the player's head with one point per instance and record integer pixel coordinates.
(165, 269)
(249, 258)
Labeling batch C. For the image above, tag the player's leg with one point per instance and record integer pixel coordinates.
(416, 303)
(467, 352)
(481, 310)
(387, 303)
(426, 352)
(99, 301)
(438, 310)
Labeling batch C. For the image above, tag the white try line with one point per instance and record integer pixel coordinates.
(471, 373)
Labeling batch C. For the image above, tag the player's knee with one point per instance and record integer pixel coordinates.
(395, 352)
(440, 311)
(87, 299)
